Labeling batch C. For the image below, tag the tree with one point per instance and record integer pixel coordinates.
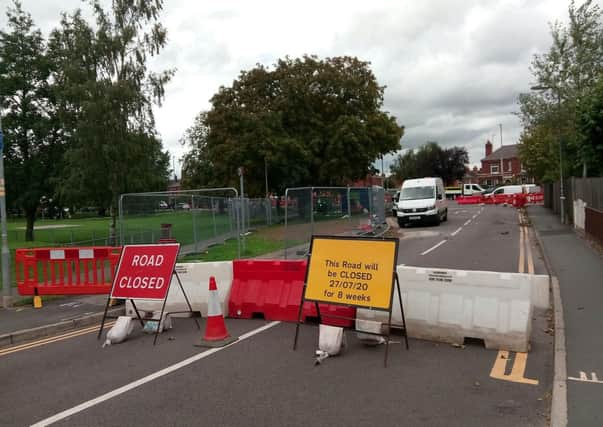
(309, 121)
(565, 77)
(431, 160)
(107, 96)
(33, 149)
(590, 125)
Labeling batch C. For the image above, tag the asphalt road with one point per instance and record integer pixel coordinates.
(260, 380)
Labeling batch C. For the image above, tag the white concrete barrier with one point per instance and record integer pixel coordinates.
(195, 280)
(449, 305)
(579, 213)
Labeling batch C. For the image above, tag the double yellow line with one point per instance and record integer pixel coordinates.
(50, 340)
(520, 360)
(525, 249)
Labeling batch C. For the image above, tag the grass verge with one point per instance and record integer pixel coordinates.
(254, 246)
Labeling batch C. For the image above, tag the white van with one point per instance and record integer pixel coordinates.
(422, 199)
(508, 189)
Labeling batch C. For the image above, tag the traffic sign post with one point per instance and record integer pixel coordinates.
(145, 272)
(353, 271)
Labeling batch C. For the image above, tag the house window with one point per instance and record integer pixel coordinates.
(509, 166)
(494, 169)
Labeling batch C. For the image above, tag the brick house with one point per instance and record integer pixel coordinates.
(502, 166)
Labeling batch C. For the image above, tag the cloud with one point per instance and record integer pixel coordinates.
(453, 68)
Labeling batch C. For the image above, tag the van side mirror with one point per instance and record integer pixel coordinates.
(440, 196)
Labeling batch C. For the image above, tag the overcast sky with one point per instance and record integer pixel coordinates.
(453, 68)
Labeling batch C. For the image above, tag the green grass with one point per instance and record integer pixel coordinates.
(254, 246)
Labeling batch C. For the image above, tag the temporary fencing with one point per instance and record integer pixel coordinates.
(195, 218)
(331, 210)
(65, 271)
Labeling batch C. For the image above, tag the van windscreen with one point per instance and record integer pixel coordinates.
(417, 193)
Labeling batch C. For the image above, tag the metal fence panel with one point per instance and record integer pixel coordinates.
(330, 210)
(196, 218)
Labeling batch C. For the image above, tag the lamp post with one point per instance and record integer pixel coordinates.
(6, 300)
(561, 188)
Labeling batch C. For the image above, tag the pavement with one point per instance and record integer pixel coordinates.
(579, 271)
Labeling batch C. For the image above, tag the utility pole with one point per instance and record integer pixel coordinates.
(557, 94)
(6, 300)
(502, 171)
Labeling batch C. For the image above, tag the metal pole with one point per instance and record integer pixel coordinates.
(120, 213)
(502, 169)
(349, 207)
(266, 175)
(562, 194)
(242, 210)
(311, 211)
(193, 219)
(7, 300)
(285, 232)
(213, 214)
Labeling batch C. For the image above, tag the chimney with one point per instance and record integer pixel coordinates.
(488, 148)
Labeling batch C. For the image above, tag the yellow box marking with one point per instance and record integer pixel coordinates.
(517, 371)
(352, 272)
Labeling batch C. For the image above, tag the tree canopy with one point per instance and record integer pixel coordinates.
(565, 81)
(33, 149)
(306, 121)
(431, 160)
(79, 122)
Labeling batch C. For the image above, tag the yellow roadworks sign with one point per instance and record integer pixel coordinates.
(352, 271)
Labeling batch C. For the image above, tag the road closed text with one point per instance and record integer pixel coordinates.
(141, 282)
(145, 271)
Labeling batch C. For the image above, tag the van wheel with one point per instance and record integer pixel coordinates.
(445, 215)
(436, 219)
(401, 223)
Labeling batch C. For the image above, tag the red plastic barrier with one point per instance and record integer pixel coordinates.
(469, 200)
(535, 197)
(519, 200)
(273, 288)
(66, 271)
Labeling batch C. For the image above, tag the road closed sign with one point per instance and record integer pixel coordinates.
(352, 271)
(145, 271)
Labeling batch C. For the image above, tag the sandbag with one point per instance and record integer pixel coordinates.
(330, 339)
(150, 326)
(120, 331)
(369, 326)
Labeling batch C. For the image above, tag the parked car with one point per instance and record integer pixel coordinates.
(163, 204)
(183, 205)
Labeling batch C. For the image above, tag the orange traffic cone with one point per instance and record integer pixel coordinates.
(216, 334)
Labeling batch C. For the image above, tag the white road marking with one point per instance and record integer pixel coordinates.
(457, 231)
(433, 247)
(93, 402)
(467, 222)
(584, 378)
